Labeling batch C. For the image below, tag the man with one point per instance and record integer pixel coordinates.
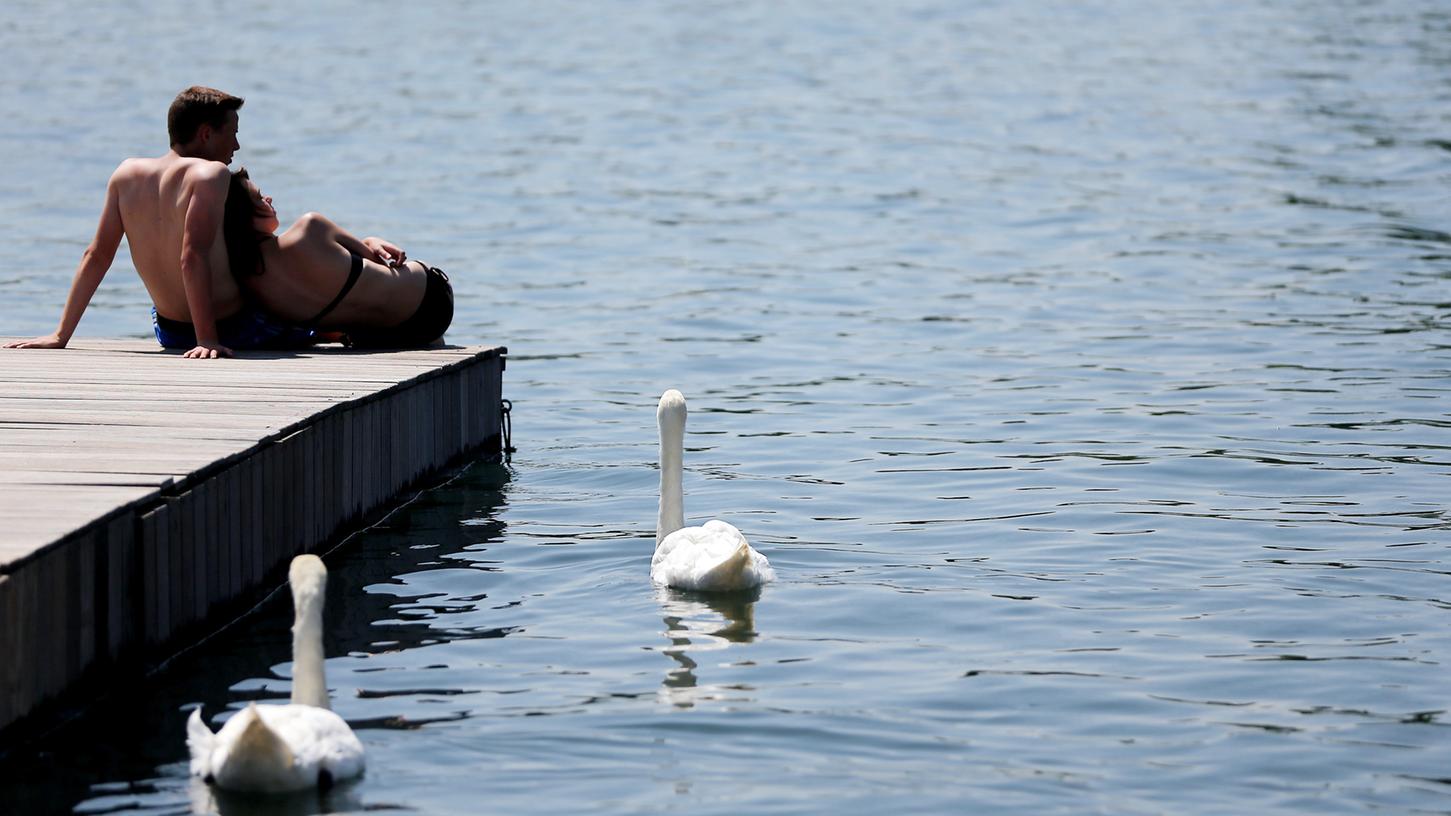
(170, 211)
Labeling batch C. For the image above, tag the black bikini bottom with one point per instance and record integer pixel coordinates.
(426, 325)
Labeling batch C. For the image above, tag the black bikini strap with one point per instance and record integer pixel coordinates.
(353, 275)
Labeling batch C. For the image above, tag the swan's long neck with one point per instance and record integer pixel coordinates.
(671, 417)
(309, 587)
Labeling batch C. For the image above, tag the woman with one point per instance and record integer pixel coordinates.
(318, 276)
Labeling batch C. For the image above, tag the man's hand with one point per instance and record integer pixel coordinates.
(209, 351)
(384, 252)
(49, 341)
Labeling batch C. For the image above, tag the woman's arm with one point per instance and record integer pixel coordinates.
(385, 251)
(372, 247)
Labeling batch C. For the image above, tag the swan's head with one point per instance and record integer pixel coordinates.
(308, 577)
(671, 409)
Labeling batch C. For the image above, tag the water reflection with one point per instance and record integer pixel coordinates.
(698, 622)
(206, 799)
(375, 612)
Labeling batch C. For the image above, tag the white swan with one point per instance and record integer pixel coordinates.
(279, 748)
(711, 558)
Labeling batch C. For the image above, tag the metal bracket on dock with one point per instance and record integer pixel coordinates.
(506, 410)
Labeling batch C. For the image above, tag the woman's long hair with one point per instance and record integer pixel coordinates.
(238, 230)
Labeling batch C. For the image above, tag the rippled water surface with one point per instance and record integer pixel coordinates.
(1082, 368)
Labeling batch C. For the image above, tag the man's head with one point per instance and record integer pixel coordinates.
(202, 123)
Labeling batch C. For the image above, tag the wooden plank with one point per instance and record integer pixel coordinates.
(211, 541)
(180, 590)
(364, 453)
(296, 492)
(28, 628)
(406, 428)
(253, 521)
(312, 476)
(120, 543)
(229, 500)
(188, 585)
(158, 587)
(183, 591)
(11, 706)
(346, 421)
(70, 631)
(87, 599)
(217, 542)
(273, 521)
(370, 456)
(327, 491)
(82, 479)
(55, 609)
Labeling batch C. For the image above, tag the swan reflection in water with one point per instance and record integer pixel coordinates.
(342, 798)
(697, 622)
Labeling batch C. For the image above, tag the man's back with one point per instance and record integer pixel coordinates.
(153, 196)
(170, 210)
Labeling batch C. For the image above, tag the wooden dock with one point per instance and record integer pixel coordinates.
(140, 492)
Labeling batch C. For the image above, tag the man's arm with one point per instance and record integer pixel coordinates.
(95, 262)
(207, 201)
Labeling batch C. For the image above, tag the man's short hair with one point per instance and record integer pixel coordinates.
(197, 106)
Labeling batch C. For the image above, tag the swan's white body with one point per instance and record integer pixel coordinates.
(279, 748)
(714, 557)
(275, 749)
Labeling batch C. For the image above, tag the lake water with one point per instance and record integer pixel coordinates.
(1082, 368)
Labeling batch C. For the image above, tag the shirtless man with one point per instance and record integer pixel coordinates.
(170, 211)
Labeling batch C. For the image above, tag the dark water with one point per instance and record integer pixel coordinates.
(1081, 367)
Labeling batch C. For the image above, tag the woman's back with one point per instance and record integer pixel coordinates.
(305, 269)
(316, 275)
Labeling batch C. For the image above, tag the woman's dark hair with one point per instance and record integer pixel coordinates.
(239, 231)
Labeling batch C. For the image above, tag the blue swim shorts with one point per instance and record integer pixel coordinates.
(250, 328)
